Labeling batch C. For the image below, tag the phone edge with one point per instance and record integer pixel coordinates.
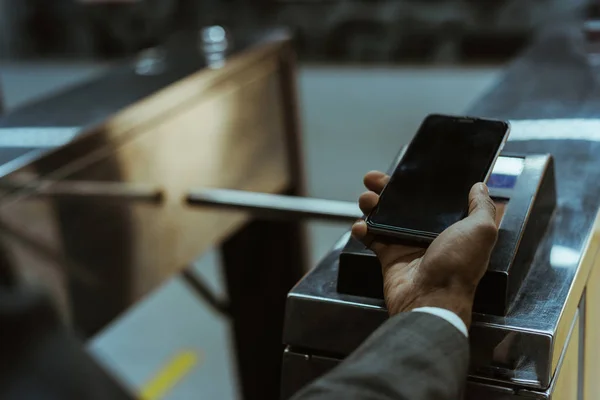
(420, 236)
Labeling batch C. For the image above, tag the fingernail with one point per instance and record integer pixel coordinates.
(483, 187)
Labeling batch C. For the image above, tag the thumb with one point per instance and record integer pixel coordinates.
(481, 206)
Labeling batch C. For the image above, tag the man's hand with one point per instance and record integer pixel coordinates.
(447, 273)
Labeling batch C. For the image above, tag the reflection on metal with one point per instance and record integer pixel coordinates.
(508, 166)
(563, 257)
(272, 206)
(214, 38)
(555, 129)
(152, 61)
(36, 137)
(214, 45)
(88, 191)
(92, 191)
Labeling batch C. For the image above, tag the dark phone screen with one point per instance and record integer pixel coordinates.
(429, 189)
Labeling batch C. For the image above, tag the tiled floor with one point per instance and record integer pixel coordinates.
(354, 120)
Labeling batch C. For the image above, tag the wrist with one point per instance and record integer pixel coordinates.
(459, 302)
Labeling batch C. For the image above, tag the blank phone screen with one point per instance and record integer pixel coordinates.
(429, 189)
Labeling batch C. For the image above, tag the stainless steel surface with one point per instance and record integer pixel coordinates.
(272, 206)
(581, 357)
(522, 347)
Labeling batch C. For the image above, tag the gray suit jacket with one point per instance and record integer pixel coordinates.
(412, 356)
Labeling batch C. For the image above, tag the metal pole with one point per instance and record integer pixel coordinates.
(86, 190)
(272, 206)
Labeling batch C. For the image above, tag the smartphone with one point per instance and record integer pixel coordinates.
(428, 191)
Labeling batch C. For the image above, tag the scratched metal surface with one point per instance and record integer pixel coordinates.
(552, 79)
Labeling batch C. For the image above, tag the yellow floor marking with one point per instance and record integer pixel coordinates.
(169, 375)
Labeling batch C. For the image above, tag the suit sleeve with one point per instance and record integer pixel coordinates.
(414, 355)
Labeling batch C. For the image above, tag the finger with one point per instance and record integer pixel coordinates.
(482, 216)
(367, 201)
(359, 229)
(375, 181)
(361, 232)
(481, 206)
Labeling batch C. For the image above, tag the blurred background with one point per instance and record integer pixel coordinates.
(369, 72)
